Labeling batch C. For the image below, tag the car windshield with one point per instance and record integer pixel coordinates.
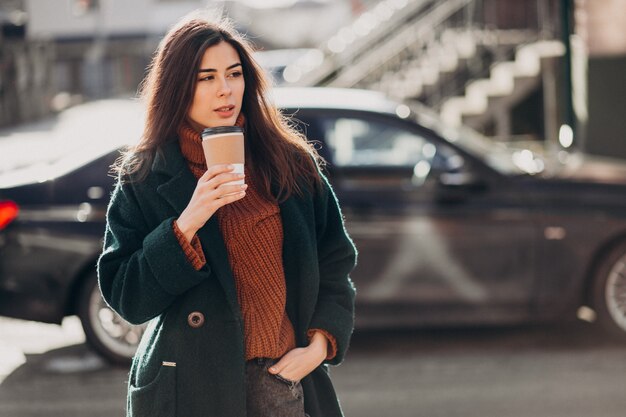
(501, 157)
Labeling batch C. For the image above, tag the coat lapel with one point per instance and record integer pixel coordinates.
(302, 287)
(215, 252)
(177, 191)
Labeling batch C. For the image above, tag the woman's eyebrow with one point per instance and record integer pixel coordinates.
(214, 70)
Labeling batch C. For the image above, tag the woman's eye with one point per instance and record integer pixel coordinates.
(235, 74)
(208, 77)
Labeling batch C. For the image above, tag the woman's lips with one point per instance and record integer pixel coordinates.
(226, 111)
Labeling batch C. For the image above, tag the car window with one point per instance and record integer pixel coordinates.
(358, 142)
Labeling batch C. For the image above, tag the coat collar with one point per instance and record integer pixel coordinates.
(170, 164)
(178, 189)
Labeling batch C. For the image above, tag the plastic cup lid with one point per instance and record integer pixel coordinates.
(221, 130)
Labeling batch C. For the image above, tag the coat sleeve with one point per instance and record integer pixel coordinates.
(141, 271)
(334, 311)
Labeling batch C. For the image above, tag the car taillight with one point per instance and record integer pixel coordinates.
(8, 212)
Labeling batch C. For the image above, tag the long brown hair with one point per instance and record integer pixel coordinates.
(278, 153)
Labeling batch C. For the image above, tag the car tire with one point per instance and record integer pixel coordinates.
(609, 292)
(105, 331)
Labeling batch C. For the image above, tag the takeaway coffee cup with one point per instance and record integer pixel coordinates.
(224, 145)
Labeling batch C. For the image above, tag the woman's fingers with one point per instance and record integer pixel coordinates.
(223, 178)
(217, 176)
(226, 189)
(229, 198)
(215, 170)
(295, 364)
(217, 192)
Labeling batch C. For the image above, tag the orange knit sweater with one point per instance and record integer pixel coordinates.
(253, 234)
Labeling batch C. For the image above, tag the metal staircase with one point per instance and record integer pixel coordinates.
(448, 55)
(507, 84)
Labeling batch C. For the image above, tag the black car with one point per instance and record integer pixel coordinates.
(451, 227)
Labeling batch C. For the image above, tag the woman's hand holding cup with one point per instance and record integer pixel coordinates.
(210, 194)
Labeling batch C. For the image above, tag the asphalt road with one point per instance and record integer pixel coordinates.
(552, 371)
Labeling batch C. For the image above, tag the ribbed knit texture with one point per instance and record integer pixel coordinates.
(193, 249)
(253, 235)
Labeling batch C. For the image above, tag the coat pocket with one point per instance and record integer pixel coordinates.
(157, 398)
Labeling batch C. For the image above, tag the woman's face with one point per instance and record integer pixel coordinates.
(219, 88)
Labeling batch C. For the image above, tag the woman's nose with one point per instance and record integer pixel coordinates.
(224, 89)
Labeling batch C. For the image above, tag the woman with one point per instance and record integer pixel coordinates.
(246, 289)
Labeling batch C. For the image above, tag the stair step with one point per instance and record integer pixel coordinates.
(502, 81)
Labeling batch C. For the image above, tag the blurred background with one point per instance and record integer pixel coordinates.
(483, 176)
(514, 70)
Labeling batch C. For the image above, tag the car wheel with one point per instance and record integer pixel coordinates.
(106, 332)
(609, 292)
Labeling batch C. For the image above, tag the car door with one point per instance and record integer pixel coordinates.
(435, 231)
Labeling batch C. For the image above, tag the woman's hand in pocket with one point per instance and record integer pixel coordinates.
(299, 362)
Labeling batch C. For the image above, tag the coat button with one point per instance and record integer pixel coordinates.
(195, 319)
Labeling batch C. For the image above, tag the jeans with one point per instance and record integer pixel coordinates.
(271, 395)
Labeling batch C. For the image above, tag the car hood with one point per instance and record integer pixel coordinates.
(52, 147)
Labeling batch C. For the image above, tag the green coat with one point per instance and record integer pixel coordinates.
(144, 275)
